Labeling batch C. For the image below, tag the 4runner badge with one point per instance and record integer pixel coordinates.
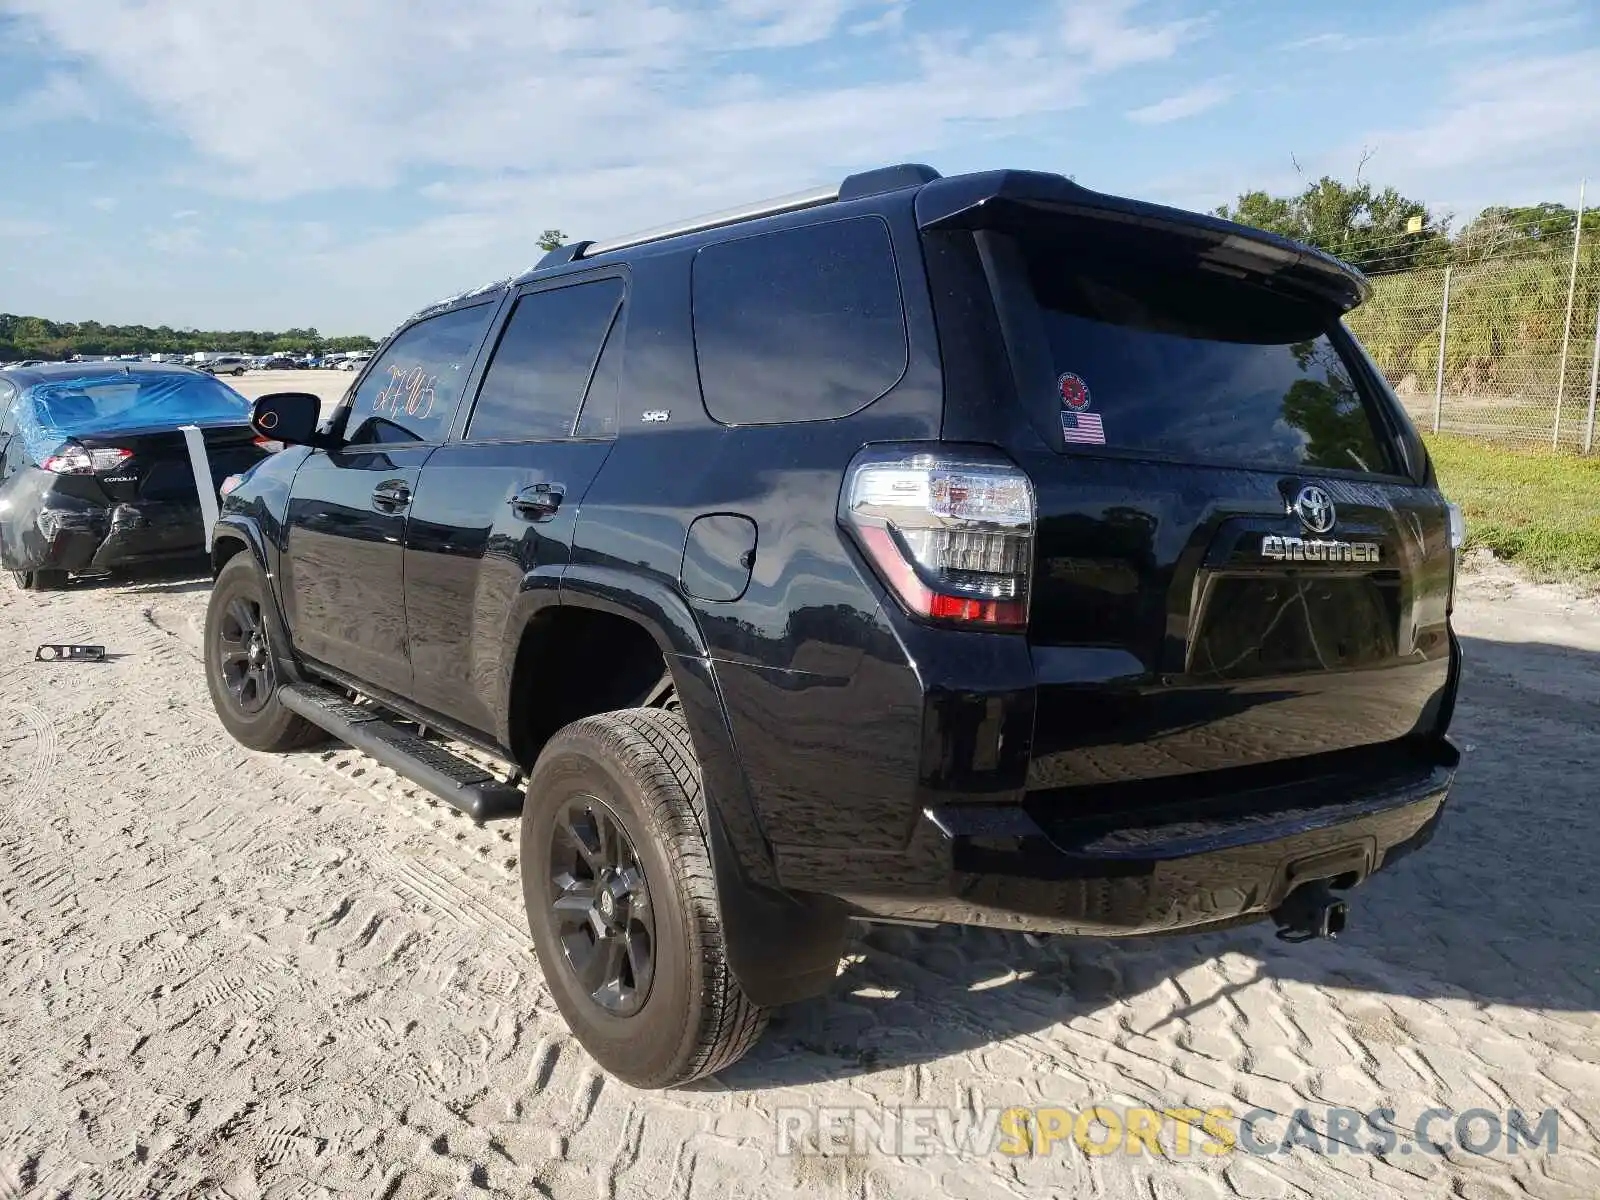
(657, 414)
(1315, 550)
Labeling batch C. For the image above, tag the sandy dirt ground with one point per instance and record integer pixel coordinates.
(238, 975)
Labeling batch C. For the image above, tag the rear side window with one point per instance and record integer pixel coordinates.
(410, 393)
(599, 415)
(798, 325)
(1200, 367)
(536, 380)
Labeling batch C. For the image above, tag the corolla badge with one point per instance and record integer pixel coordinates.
(1315, 509)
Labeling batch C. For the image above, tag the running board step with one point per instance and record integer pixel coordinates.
(456, 781)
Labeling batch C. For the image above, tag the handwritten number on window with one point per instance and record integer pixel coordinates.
(410, 392)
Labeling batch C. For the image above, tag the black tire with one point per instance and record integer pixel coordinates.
(40, 580)
(237, 371)
(252, 713)
(693, 1019)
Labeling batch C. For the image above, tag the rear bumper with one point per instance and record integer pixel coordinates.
(98, 539)
(1217, 861)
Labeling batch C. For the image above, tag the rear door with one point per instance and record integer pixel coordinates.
(1238, 559)
(491, 524)
(343, 578)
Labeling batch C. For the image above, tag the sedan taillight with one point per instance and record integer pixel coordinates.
(75, 459)
(949, 529)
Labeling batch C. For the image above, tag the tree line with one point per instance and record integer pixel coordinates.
(1382, 231)
(56, 341)
(37, 337)
(1510, 272)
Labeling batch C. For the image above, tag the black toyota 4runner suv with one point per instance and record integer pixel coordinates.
(980, 549)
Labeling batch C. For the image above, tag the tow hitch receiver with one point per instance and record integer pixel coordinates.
(1310, 911)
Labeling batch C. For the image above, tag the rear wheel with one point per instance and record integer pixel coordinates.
(41, 580)
(617, 879)
(241, 668)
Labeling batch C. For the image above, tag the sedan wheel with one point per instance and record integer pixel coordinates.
(41, 580)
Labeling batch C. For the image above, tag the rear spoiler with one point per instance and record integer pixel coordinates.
(1021, 202)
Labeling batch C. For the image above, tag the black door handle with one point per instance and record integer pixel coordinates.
(537, 500)
(391, 495)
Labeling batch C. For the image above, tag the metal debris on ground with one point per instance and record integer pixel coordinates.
(64, 653)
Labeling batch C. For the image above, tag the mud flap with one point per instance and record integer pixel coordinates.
(783, 946)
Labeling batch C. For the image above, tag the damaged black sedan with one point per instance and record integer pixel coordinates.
(95, 473)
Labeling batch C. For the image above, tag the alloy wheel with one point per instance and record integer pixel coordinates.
(601, 906)
(244, 655)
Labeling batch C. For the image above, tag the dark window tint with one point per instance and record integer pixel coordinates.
(410, 393)
(599, 415)
(800, 325)
(536, 379)
(1201, 367)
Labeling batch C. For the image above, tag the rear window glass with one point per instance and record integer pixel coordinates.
(1199, 367)
(65, 408)
(798, 325)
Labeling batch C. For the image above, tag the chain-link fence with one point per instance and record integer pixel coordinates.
(1518, 326)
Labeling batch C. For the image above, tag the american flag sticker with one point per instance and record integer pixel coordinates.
(1083, 428)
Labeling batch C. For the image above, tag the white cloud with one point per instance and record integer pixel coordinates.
(104, 204)
(357, 93)
(891, 19)
(186, 214)
(1190, 103)
(185, 239)
(595, 116)
(1333, 43)
(1500, 21)
(60, 97)
(1507, 132)
(24, 228)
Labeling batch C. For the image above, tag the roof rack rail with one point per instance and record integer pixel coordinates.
(865, 183)
(731, 216)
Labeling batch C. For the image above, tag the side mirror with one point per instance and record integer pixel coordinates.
(291, 418)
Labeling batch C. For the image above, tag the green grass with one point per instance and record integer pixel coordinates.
(1536, 508)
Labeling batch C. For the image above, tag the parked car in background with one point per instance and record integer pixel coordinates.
(281, 362)
(227, 365)
(94, 474)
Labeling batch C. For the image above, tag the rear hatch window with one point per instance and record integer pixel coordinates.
(1199, 367)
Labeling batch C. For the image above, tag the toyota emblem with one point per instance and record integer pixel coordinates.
(1314, 509)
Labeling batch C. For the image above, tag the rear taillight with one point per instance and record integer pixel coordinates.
(75, 459)
(948, 528)
(270, 445)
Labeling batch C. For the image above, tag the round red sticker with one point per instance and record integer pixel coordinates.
(1074, 392)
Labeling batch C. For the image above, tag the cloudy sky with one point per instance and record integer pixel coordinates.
(338, 163)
